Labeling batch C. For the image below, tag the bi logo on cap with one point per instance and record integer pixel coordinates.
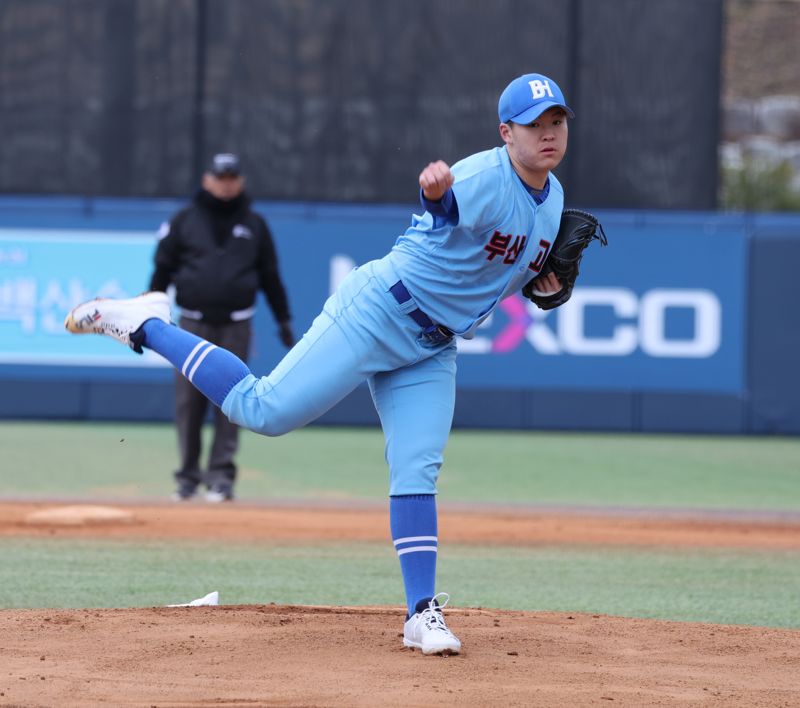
(540, 89)
(528, 96)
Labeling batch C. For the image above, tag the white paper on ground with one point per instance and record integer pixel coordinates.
(211, 599)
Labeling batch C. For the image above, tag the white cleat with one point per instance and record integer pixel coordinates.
(426, 630)
(118, 318)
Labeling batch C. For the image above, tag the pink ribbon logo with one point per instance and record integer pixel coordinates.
(514, 332)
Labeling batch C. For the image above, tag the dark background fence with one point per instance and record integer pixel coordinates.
(345, 100)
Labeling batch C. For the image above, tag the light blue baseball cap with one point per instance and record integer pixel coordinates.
(527, 97)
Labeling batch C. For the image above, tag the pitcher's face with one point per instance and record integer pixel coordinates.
(539, 147)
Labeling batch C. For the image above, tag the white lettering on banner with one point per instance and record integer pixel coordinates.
(18, 302)
(541, 338)
(707, 323)
(539, 88)
(39, 305)
(572, 331)
(646, 330)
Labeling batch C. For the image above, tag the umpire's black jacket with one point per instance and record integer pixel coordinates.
(219, 254)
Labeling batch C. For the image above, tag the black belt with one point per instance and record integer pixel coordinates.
(434, 333)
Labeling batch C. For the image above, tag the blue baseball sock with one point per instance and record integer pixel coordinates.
(414, 531)
(212, 370)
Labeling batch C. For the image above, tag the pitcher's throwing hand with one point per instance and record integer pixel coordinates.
(435, 180)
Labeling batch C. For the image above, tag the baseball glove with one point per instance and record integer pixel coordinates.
(575, 232)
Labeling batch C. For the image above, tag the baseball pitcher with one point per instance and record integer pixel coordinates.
(490, 227)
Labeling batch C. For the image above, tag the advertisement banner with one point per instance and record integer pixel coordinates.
(44, 273)
(662, 308)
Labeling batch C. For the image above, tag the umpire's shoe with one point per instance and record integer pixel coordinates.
(426, 630)
(119, 319)
(219, 493)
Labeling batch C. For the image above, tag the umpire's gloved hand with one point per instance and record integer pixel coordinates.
(286, 335)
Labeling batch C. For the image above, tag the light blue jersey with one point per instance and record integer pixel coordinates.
(459, 272)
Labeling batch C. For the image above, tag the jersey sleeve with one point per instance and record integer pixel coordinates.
(444, 211)
(478, 195)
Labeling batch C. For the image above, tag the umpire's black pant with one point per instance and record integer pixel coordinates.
(191, 407)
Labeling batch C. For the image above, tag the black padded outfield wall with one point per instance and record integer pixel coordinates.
(345, 100)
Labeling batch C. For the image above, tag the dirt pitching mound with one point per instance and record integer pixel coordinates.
(305, 656)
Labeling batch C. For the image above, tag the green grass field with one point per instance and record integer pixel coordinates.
(721, 586)
(134, 462)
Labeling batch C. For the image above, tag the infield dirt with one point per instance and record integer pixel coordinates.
(345, 656)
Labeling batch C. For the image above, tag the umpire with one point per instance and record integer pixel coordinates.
(217, 253)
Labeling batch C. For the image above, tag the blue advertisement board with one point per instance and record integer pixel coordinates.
(662, 308)
(45, 272)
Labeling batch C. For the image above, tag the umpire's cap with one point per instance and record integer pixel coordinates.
(225, 164)
(527, 97)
